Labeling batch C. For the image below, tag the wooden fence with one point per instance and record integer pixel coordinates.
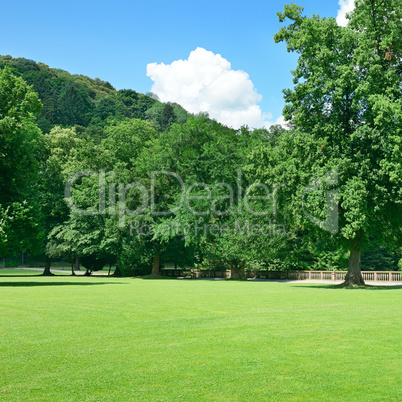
(376, 276)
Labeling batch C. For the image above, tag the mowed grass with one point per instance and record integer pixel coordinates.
(93, 339)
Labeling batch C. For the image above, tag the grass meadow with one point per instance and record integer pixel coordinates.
(116, 339)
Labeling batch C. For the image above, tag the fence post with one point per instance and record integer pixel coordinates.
(321, 275)
(375, 276)
(309, 274)
(390, 276)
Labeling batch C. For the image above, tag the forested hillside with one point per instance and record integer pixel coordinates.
(76, 100)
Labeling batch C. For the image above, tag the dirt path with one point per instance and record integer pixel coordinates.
(372, 283)
(82, 272)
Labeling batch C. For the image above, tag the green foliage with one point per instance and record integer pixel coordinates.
(20, 144)
(70, 100)
(135, 259)
(164, 115)
(20, 138)
(202, 151)
(105, 108)
(20, 229)
(379, 259)
(95, 230)
(60, 146)
(75, 104)
(334, 179)
(344, 109)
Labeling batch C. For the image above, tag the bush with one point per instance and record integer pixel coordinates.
(134, 260)
(93, 263)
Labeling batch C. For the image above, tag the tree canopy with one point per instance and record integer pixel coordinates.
(20, 145)
(345, 109)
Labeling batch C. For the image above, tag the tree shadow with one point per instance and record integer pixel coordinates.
(22, 276)
(337, 287)
(33, 284)
(156, 277)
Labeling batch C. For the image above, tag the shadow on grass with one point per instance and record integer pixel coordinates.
(32, 284)
(21, 276)
(152, 277)
(43, 276)
(366, 287)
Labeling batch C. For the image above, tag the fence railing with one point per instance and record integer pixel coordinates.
(375, 276)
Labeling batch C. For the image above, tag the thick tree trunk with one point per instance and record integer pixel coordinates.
(155, 265)
(46, 271)
(354, 274)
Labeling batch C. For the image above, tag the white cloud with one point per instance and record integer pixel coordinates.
(346, 6)
(205, 82)
(281, 121)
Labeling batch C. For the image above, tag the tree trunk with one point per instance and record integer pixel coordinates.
(354, 274)
(72, 265)
(47, 272)
(155, 265)
(243, 270)
(77, 263)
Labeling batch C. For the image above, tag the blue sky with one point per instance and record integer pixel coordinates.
(116, 41)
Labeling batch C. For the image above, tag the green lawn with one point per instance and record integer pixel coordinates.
(91, 339)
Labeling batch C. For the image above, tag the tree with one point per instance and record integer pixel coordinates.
(346, 111)
(20, 138)
(75, 105)
(106, 108)
(20, 144)
(102, 194)
(20, 229)
(60, 146)
(163, 115)
(167, 117)
(206, 158)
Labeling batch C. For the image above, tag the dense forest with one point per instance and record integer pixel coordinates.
(117, 177)
(87, 104)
